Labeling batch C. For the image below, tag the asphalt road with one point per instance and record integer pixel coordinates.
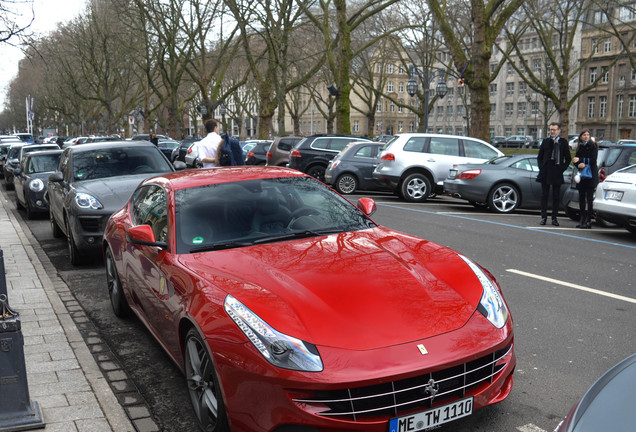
(571, 292)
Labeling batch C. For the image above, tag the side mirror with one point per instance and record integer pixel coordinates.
(178, 165)
(56, 177)
(144, 235)
(366, 205)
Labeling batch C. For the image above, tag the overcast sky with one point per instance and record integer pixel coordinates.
(48, 13)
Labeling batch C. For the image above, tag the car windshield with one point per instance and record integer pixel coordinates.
(118, 161)
(43, 163)
(250, 212)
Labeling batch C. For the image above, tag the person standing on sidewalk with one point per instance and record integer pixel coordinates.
(586, 154)
(553, 159)
(208, 147)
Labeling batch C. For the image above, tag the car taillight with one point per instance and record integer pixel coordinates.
(295, 153)
(250, 154)
(388, 157)
(190, 150)
(601, 175)
(269, 155)
(469, 174)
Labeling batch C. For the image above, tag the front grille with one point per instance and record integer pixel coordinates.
(92, 224)
(396, 397)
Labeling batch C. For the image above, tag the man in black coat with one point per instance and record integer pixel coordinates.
(554, 158)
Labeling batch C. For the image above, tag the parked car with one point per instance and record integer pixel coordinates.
(31, 178)
(383, 138)
(626, 141)
(146, 137)
(497, 140)
(312, 154)
(94, 180)
(503, 184)
(179, 153)
(167, 145)
(278, 154)
(273, 294)
(608, 404)
(5, 145)
(414, 165)
(615, 198)
(26, 138)
(14, 156)
(517, 141)
(353, 167)
(257, 154)
(610, 159)
(97, 139)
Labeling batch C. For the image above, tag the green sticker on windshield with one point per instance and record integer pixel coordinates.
(197, 240)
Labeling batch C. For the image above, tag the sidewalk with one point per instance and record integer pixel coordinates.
(63, 377)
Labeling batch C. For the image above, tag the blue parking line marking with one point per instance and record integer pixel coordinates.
(509, 226)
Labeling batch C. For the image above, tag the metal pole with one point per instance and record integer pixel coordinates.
(426, 102)
(618, 114)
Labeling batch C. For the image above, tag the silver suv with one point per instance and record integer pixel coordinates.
(416, 164)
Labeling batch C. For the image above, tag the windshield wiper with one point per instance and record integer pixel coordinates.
(298, 234)
(220, 245)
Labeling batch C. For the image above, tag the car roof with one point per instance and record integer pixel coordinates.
(108, 145)
(202, 177)
(43, 153)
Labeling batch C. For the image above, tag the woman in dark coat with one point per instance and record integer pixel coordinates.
(587, 152)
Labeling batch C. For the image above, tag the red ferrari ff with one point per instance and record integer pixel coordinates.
(288, 308)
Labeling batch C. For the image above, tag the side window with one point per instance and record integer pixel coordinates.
(339, 143)
(285, 145)
(632, 158)
(415, 144)
(150, 207)
(65, 166)
(523, 164)
(365, 151)
(476, 149)
(320, 143)
(444, 146)
(612, 156)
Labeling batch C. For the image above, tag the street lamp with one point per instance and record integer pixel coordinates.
(412, 88)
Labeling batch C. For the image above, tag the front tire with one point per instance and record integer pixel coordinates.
(416, 188)
(73, 253)
(55, 228)
(203, 385)
(317, 172)
(504, 198)
(346, 184)
(116, 294)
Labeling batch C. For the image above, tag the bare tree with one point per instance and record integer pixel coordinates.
(11, 25)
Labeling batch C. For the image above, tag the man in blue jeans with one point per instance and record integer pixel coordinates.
(553, 159)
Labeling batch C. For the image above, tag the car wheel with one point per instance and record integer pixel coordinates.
(73, 253)
(317, 172)
(504, 198)
(346, 184)
(55, 228)
(416, 188)
(203, 385)
(115, 291)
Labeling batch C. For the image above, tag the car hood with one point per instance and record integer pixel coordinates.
(358, 290)
(112, 192)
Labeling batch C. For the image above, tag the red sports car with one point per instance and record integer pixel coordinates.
(288, 308)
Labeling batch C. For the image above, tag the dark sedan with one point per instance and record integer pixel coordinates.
(167, 146)
(503, 184)
(608, 405)
(31, 178)
(353, 167)
(92, 181)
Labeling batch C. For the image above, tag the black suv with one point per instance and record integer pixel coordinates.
(312, 154)
(257, 153)
(610, 158)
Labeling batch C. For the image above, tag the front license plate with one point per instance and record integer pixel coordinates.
(433, 417)
(613, 195)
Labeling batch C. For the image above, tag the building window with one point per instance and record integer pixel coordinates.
(619, 106)
(378, 68)
(440, 111)
(591, 102)
(604, 75)
(535, 108)
(510, 89)
(628, 13)
(400, 109)
(595, 45)
(509, 108)
(592, 74)
(401, 70)
(632, 106)
(522, 88)
(390, 68)
(392, 107)
(633, 74)
(356, 126)
(509, 68)
(493, 89)
(599, 17)
(521, 109)
(411, 126)
(508, 131)
(401, 87)
(379, 106)
(389, 87)
(449, 111)
(460, 110)
(607, 45)
(493, 110)
(602, 106)
(400, 126)
(536, 64)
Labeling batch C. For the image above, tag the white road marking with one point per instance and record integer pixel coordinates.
(530, 428)
(575, 286)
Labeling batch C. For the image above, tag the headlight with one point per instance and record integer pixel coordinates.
(36, 185)
(279, 349)
(86, 201)
(491, 305)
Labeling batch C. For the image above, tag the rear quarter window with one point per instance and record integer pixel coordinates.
(415, 144)
(475, 149)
